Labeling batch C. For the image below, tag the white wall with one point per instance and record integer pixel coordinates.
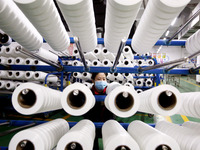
(173, 52)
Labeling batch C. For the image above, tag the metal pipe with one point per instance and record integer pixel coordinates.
(76, 41)
(16, 129)
(174, 62)
(170, 68)
(35, 56)
(183, 26)
(121, 47)
(5, 123)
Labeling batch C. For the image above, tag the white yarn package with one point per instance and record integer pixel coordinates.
(96, 63)
(40, 137)
(77, 99)
(127, 52)
(31, 98)
(81, 21)
(164, 100)
(122, 101)
(149, 83)
(120, 16)
(80, 136)
(3, 84)
(41, 14)
(40, 76)
(47, 54)
(108, 55)
(10, 85)
(193, 44)
(116, 137)
(77, 75)
(155, 20)
(112, 86)
(150, 138)
(185, 137)
(19, 61)
(3, 60)
(191, 104)
(98, 53)
(195, 126)
(139, 82)
(14, 23)
(127, 63)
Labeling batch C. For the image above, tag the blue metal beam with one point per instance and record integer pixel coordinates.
(96, 69)
(159, 42)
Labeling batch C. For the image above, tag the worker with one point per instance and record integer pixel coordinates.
(99, 113)
(100, 83)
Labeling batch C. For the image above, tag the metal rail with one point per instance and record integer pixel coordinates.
(174, 63)
(183, 26)
(35, 56)
(76, 41)
(16, 129)
(121, 47)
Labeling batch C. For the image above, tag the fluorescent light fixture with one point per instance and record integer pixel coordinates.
(159, 49)
(173, 22)
(167, 33)
(165, 38)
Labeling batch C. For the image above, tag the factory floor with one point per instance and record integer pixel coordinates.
(183, 83)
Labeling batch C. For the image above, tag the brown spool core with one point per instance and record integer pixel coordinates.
(37, 75)
(105, 50)
(7, 49)
(8, 85)
(126, 49)
(130, 82)
(76, 99)
(25, 145)
(123, 147)
(73, 146)
(124, 101)
(126, 74)
(115, 74)
(96, 51)
(95, 63)
(36, 62)
(167, 101)
(27, 98)
(75, 74)
(148, 82)
(17, 60)
(9, 61)
(76, 51)
(27, 62)
(0, 84)
(28, 74)
(105, 62)
(84, 74)
(126, 62)
(139, 62)
(163, 147)
(10, 73)
(17, 73)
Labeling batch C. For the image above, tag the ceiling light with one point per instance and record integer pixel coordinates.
(173, 22)
(159, 49)
(167, 33)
